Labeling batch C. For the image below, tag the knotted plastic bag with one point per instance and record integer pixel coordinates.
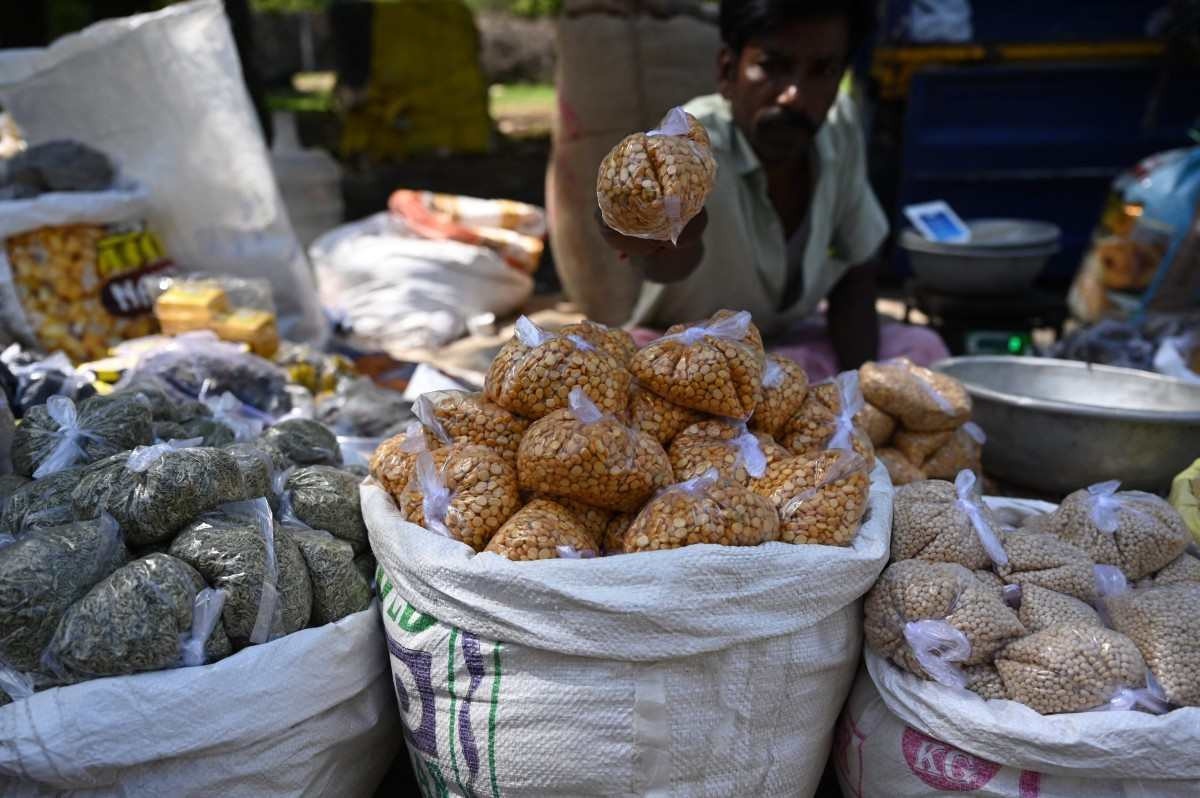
(1071, 668)
(584, 454)
(922, 400)
(394, 459)
(138, 619)
(461, 417)
(940, 649)
(463, 492)
(826, 420)
(943, 522)
(1137, 532)
(154, 491)
(706, 509)
(534, 373)
(43, 574)
(729, 447)
(58, 435)
(325, 498)
(916, 590)
(652, 184)
(543, 530)
(227, 409)
(1161, 621)
(820, 499)
(785, 387)
(714, 366)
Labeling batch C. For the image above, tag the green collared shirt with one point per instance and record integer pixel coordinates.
(748, 263)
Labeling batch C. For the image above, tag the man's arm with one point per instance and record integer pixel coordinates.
(661, 261)
(851, 317)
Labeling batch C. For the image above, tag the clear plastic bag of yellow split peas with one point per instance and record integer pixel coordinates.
(78, 266)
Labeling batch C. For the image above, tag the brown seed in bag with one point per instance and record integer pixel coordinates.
(1137, 532)
(820, 499)
(900, 469)
(617, 343)
(727, 446)
(393, 461)
(785, 387)
(461, 417)
(917, 446)
(878, 425)
(472, 492)
(534, 373)
(922, 400)
(651, 184)
(714, 366)
(708, 509)
(916, 590)
(827, 414)
(593, 458)
(963, 450)
(593, 519)
(614, 533)
(542, 530)
(658, 417)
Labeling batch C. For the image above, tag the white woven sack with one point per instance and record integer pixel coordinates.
(310, 714)
(703, 671)
(162, 95)
(902, 737)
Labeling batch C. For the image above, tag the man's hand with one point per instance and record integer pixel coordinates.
(661, 261)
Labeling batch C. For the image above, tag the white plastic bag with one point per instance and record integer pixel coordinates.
(403, 292)
(162, 94)
(902, 737)
(310, 714)
(625, 675)
(1172, 357)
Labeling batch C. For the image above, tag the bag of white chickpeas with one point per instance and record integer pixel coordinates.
(903, 737)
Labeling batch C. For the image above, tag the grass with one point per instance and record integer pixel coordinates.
(521, 99)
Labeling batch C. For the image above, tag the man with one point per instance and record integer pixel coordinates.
(792, 220)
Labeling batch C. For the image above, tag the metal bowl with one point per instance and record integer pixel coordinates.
(1058, 425)
(1004, 256)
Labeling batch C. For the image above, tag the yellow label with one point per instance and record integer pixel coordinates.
(127, 252)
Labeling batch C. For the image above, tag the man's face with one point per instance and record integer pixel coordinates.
(783, 84)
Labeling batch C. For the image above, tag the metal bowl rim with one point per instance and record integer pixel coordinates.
(928, 248)
(1067, 408)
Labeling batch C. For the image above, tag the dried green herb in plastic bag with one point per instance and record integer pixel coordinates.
(268, 589)
(143, 617)
(339, 589)
(305, 442)
(258, 470)
(327, 498)
(10, 484)
(366, 565)
(210, 431)
(45, 572)
(41, 503)
(56, 435)
(164, 406)
(153, 492)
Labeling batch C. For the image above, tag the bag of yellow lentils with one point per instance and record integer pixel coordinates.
(71, 270)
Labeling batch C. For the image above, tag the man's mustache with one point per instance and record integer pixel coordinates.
(784, 119)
